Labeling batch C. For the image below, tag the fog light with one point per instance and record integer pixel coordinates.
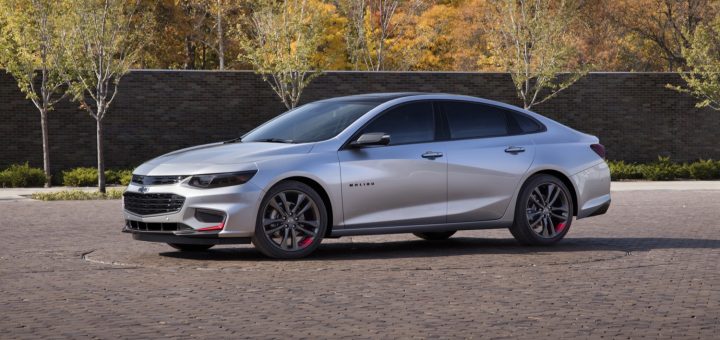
(209, 216)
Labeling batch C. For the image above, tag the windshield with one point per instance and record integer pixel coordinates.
(310, 123)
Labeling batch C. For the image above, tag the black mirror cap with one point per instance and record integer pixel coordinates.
(371, 139)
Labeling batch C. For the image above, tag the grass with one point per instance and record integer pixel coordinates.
(77, 195)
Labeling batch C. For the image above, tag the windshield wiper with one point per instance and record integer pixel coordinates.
(234, 140)
(275, 140)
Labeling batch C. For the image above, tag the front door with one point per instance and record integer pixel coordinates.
(403, 183)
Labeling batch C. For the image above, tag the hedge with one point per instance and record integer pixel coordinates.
(665, 170)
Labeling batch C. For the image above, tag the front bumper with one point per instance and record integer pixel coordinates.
(185, 237)
(238, 204)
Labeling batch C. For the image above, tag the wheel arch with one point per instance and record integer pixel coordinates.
(562, 177)
(323, 195)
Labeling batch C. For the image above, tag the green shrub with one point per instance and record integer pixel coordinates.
(80, 177)
(621, 170)
(704, 169)
(85, 177)
(665, 170)
(118, 176)
(22, 176)
(73, 195)
(111, 177)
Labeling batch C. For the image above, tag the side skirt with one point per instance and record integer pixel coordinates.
(352, 231)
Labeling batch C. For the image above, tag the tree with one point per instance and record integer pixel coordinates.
(662, 27)
(375, 28)
(221, 12)
(192, 34)
(194, 20)
(468, 35)
(703, 58)
(378, 27)
(31, 53)
(103, 40)
(427, 41)
(529, 39)
(284, 38)
(332, 52)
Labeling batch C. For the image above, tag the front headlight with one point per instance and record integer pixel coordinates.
(220, 180)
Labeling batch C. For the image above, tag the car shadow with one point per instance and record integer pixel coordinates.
(454, 247)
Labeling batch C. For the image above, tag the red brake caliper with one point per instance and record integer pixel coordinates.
(305, 242)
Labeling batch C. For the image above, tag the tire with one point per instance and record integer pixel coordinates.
(191, 247)
(291, 222)
(436, 235)
(543, 212)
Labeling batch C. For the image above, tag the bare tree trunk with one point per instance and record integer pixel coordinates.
(203, 57)
(46, 148)
(101, 157)
(189, 54)
(221, 37)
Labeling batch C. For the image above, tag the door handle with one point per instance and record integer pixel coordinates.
(514, 149)
(432, 155)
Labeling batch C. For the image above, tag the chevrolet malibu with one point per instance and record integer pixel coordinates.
(427, 164)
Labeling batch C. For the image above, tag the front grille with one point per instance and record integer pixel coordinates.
(156, 180)
(151, 204)
(144, 226)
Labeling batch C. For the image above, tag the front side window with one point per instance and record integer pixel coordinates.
(310, 123)
(472, 120)
(408, 123)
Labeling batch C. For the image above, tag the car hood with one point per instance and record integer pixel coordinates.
(218, 157)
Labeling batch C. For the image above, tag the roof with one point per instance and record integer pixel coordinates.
(375, 97)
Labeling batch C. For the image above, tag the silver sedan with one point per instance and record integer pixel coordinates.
(428, 164)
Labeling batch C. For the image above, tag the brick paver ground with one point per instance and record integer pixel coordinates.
(650, 268)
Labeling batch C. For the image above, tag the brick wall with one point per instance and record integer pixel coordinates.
(634, 115)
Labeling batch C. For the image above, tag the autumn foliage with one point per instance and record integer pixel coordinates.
(447, 35)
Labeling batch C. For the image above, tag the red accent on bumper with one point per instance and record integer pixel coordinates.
(213, 228)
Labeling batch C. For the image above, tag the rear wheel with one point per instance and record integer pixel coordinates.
(191, 247)
(544, 211)
(291, 222)
(436, 235)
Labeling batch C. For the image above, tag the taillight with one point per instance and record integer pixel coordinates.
(599, 149)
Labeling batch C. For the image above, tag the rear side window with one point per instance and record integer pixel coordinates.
(472, 120)
(525, 123)
(409, 123)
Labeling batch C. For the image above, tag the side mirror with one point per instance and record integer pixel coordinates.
(371, 139)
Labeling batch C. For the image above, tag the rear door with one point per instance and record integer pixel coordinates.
(403, 183)
(487, 153)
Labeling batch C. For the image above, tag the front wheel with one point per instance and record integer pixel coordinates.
(544, 211)
(191, 247)
(291, 222)
(436, 235)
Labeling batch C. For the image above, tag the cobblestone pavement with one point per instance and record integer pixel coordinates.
(650, 268)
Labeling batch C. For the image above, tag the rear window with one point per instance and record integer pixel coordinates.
(525, 123)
